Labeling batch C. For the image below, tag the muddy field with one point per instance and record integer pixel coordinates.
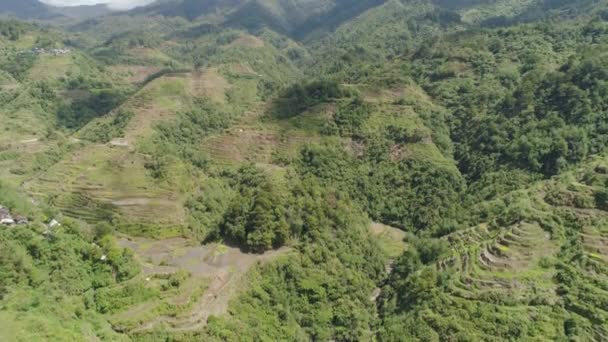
(225, 268)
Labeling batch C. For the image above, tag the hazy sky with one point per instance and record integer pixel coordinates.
(116, 4)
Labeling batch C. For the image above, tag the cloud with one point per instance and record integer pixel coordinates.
(114, 4)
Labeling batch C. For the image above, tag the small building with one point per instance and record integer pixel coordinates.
(21, 220)
(7, 221)
(54, 223)
(5, 217)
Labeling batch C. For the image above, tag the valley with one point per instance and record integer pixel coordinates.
(305, 170)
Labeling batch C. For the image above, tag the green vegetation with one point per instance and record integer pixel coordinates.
(102, 132)
(307, 170)
(297, 98)
(81, 111)
(46, 276)
(13, 29)
(312, 295)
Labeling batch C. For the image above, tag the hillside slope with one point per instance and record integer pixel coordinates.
(536, 262)
(307, 170)
(27, 9)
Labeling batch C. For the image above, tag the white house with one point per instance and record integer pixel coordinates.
(5, 217)
(54, 223)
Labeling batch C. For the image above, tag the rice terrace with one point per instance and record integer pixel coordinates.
(303, 170)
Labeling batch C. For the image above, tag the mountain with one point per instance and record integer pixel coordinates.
(189, 9)
(27, 9)
(81, 12)
(33, 9)
(305, 170)
(293, 17)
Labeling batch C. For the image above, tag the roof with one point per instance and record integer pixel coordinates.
(7, 220)
(19, 218)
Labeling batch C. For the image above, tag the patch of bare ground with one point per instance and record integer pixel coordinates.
(246, 40)
(119, 142)
(379, 229)
(224, 267)
(75, 94)
(27, 145)
(354, 148)
(134, 73)
(241, 144)
(154, 104)
(10, 87)
(144, 120)
(392, 242)
(239, 69)
(209, 83)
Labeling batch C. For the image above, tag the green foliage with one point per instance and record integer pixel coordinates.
(601, 199)
(11, 198)
(459, 111)
(105, 131)
(18, 64)
(110, 300)
(410, 194)
(180, 138)
(255, 217)
(550, 121)
(299, 97)
(322, 293)
(207, 208)
(45, 277)
(133, 39)
(349, 119)
(81, 111)
(13, 29)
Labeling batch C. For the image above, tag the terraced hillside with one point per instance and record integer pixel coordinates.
(99, 181)
(210, 276)
(307, 170)
(537, 264)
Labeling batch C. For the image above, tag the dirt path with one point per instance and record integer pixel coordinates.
(29, 141)
(224, 266)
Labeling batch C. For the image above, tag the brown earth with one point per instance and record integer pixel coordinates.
(225, 267)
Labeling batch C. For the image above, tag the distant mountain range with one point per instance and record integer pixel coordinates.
(35, 10)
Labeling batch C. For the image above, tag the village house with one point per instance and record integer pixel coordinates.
(20, 219)
(54, 223)
(5, 217)
(54, 52)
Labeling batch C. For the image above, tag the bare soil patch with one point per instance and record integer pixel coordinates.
(209, 83)
(224, 266)
(247, 40)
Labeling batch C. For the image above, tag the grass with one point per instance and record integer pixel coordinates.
(110, 180)
(528, 262)
(167, 304)
(391, 240)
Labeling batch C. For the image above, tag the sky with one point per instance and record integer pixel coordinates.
(114, 4)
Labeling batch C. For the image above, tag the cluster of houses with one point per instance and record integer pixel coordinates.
(54, 52)
(9, 220)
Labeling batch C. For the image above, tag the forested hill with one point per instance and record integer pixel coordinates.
(38, 11)
(28, 9)
(307, 170)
